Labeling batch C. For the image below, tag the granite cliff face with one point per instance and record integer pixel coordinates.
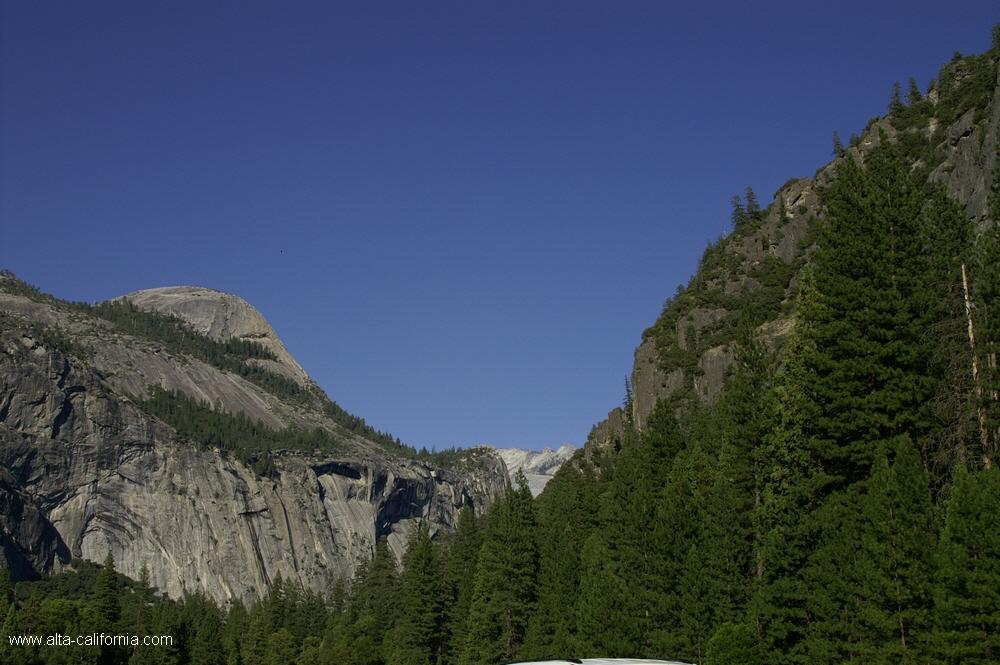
(85, 470)
(687, 351)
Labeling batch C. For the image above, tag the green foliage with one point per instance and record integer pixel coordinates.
(106, 592)
(505, 589)
(458, 583)
(964, 84)
(735, 644)
(416, 638)
(566, 516)
(250, 441)
(838, 145)
(967, 584)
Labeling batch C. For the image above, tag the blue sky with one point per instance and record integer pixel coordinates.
(459, 216)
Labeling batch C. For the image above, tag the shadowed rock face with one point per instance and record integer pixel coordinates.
(85, 471)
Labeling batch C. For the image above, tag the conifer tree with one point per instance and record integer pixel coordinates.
(838, 146)
(753, 205)
(359, 638)
(106, 592)
(459, 578)
(967, 583)
(415, 640)
(505, 586)
(895, 98)
(567, 511)
(872, 568)
(739, 213)
(855, 378)
(735, 644)
(677, 526)
(627, 402)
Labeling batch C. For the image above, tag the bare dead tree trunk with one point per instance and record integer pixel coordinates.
(976, 382)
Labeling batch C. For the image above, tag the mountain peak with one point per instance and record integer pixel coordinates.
(539, 466)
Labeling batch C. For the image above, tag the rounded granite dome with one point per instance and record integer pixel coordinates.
(219, 315)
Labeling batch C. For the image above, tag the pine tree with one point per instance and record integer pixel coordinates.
(458, 580)
(627, 402)
(505, 587)
(567, 511)
(204, 625)
(739, 213)
(735, 644)
(967, 583)
(628, 562)
(753, 205)
(855, 376)
(838, 146)
(913, 94)
(359, 637)
(873, 566)
(416, 637)
(677, 525)
(106, 592)
(723, 557)
(895, 98)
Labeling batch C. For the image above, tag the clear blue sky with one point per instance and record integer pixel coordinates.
(459, 216)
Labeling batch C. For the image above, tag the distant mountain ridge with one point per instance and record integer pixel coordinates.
(538, 466)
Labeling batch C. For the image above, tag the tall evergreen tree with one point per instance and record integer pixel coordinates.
(505, 587)
(106, 592)
(838, 145)
(567, 511)
(459, 578)
(359, 637)
(895, 98)
(415, 640)
(753, 205)
(739, 213)
(855, 380)
(874, 566)
(967, 584)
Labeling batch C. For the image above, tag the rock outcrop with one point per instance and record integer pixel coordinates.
(85, 470)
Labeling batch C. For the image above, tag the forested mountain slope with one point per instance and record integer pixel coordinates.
(949, 134)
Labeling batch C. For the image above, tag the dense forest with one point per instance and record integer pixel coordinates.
(839, 502)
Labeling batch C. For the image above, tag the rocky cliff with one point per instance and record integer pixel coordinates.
(85, 469)
(951, 135)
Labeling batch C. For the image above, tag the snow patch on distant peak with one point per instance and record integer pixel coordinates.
(538, 466)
